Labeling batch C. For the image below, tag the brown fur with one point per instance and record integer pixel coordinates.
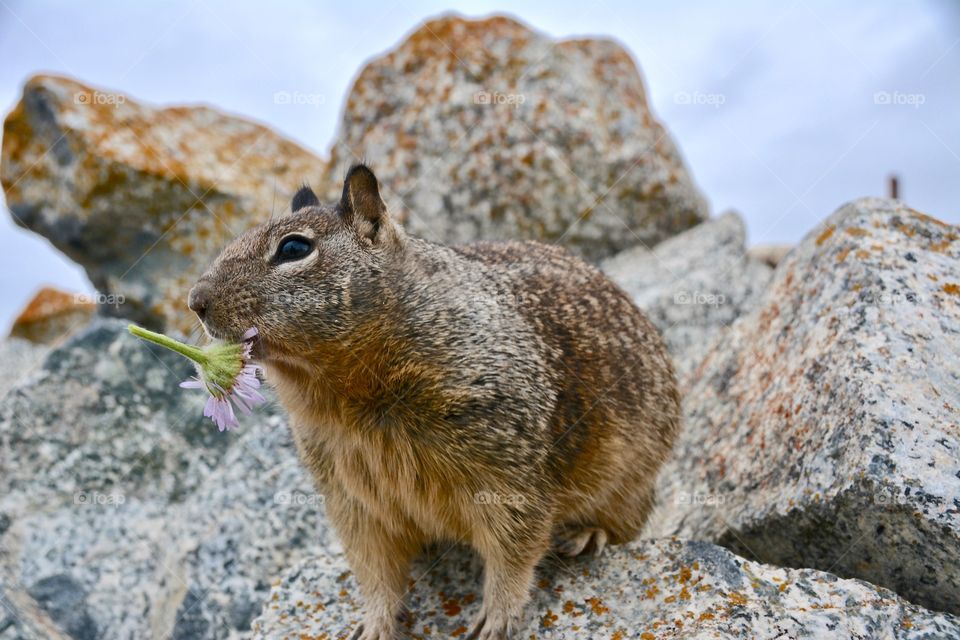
(498, 394)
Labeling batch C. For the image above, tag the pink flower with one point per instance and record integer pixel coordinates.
(225, 370)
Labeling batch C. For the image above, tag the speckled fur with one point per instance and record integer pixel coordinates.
(499, 394)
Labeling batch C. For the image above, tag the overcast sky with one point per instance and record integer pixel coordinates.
(796, 107)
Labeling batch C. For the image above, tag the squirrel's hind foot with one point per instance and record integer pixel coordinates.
(572, 542)
(491, 627)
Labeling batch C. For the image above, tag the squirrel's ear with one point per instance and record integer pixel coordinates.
(305, 197)
(361, 203)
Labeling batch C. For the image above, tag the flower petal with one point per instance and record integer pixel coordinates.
(231, 418)
(222, 414)
(241, 403)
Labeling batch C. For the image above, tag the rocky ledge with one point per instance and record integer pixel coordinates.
(666, 588)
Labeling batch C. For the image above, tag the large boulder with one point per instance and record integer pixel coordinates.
(645, 590)
(488, 129)
(693, 285)
(143, 198)
(822, 429)
(124, 513)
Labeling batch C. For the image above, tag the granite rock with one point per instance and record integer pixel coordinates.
(22, 617)
(486, 129)
(112, 481)
(822, 429)
(692, 285)
(143, 198)
(665, 588)
(103, 411)
(65, 600)
(21, 360)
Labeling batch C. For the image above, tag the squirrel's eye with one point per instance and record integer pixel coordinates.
(293, 248)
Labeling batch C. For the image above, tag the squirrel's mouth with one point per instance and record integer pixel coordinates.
(258, 349)
(215, 334)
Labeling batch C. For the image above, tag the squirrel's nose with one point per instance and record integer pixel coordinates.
(199, 299)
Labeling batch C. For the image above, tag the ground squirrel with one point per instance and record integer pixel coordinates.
(503, 394)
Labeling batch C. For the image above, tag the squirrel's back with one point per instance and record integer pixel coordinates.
(615, 402)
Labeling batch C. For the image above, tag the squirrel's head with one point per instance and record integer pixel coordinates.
(305, 277)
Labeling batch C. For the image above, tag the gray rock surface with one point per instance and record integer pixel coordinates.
(21, 359)
(65, 600)
(22, 617)
(822, 429)
(114, 485)
(693, 285)
(488, 129)
(651, 589)
(104, 410)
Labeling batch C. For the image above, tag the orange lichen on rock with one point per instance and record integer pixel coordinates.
(52, 315)
(549, 618)
(451, 607)
(824, 235)
(597, 606)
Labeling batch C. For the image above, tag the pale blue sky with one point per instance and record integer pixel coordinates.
(794, 129)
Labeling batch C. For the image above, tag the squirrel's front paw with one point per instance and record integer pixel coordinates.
(375, 630)
(493, 626)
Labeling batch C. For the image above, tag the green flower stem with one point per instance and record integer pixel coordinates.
(194, 353)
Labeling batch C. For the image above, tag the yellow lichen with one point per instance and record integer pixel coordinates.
(824, 235)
